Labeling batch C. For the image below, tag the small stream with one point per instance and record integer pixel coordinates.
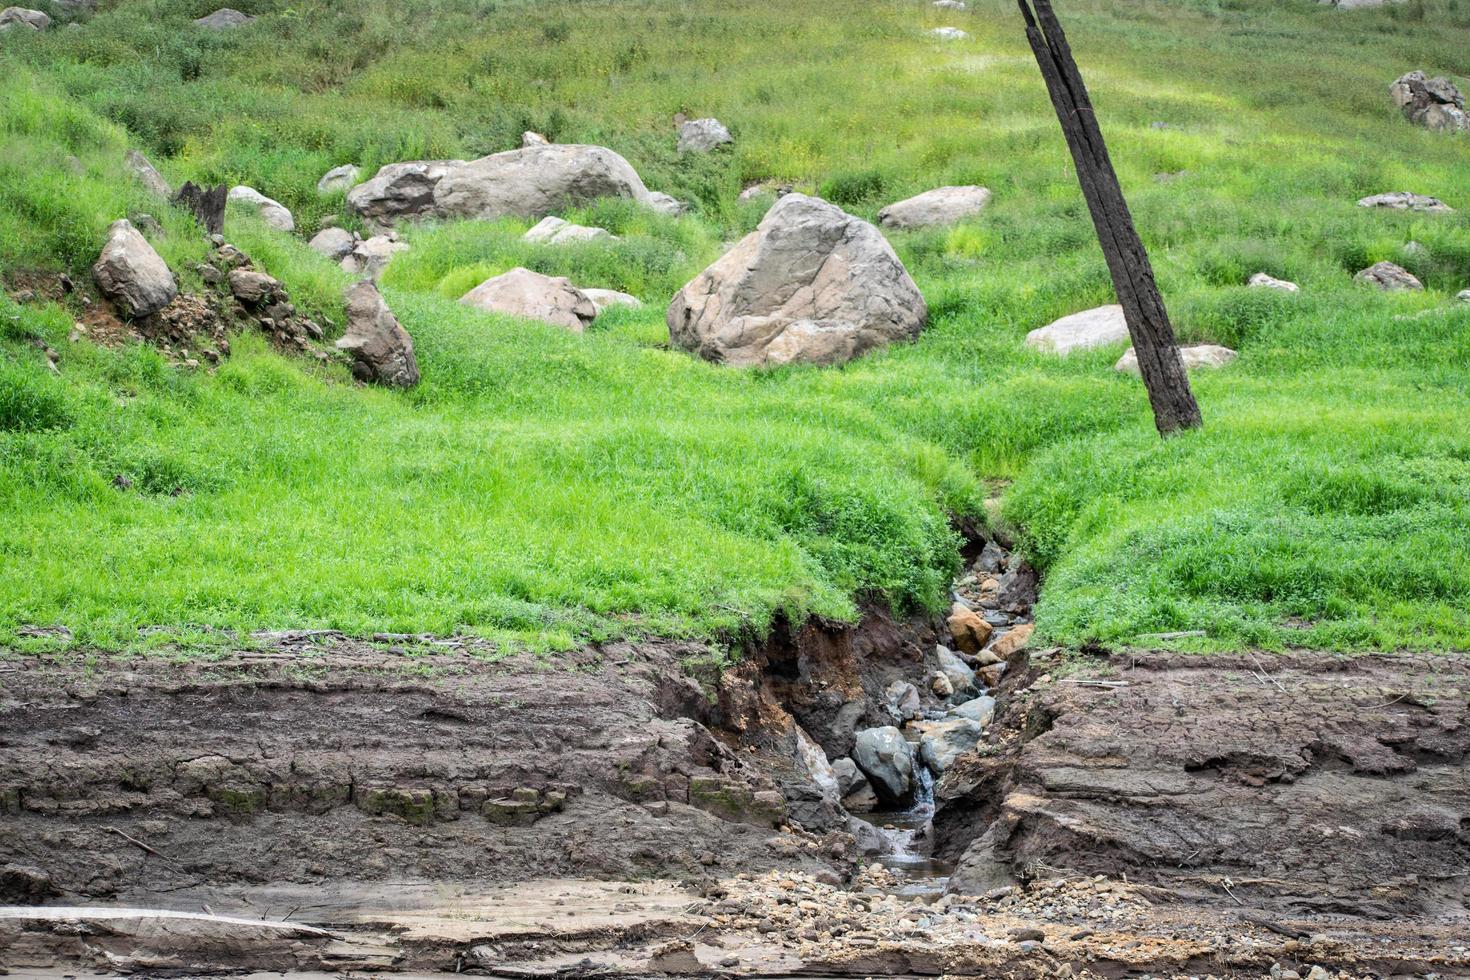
(910, 836)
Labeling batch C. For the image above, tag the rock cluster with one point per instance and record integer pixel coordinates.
(1434, 103)
(1263, 281)
(358, 256)
(260, 299)
(812, 284)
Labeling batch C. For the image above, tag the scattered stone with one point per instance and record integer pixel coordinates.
(253, 288)
(223, 19)
(1099, 327)
(606, 299)
(1197, 356)
(949, 33)
(980, 710)
(150, 178)
(528, 138)
(941, 206)
(1434, 103)
(941, 742)
(555, 231)
(812, 284)
(371, 257)
(523, 293)
(131, 274)
(23, 17)
(1389, 277)
(665, 204)
(338, 180)
(1405, 201)
(335, 243)
(273, 213)
(902, 699)
(1263, 281)
(1026, 934)
(382, 351)
(703, 136)
(887, 759)
(961, 675)
(970, 630)
(1013, 642)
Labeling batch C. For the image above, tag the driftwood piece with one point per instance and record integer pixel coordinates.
(1159, 362)
(207, 204)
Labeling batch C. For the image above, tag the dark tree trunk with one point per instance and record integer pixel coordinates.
(206, 204)
(1133, 277)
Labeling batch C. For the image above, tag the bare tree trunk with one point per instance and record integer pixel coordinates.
(206, 204)
(1133, 277)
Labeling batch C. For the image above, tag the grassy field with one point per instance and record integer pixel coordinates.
(544, 488)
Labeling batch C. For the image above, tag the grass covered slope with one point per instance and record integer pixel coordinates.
(551, 488)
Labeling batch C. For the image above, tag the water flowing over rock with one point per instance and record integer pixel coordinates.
(887, 759)
(703, 136)
(1389, 277)
(149, 177)
(1198, 356)
(272, 212)
(1434, 103)
(1263, 281)
(557, 231)
(338, 179)
(941, 206)
(382, 351)
(1405, 201)
(131, 274)
(1100, 327)
(521, 292)
(223, 19)
(812, 284)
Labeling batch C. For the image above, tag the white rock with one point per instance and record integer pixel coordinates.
(1405, 201)
(703, 136)
(949, 4)
(949, 34)
(1098, 327)
(223, 19)
(523, 293)
(1389, 277)
(335, 243)
(1198, 356)
(941, 206)
(605, 299)
(131, 274)
(529, 138)
(1463, 296)
(555, 231)
(1262, 281)
(273, 213)
(338, 180)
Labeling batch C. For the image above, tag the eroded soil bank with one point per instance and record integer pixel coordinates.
(324, 805)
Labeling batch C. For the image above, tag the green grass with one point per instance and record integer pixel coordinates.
(544, 488)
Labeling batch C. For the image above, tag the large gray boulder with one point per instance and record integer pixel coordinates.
(941, 206)
(1099, 327)
(1389, 277)
(272, 212)
(1197, 356)
(338, 179)
(35, 20)
(149, 177)
(399, 190)
(812, 284)
(131, 274)
(980, 710)
(887, 759)
(1434, 103)
(521, 292)
(1405, 201)
(941, 742)
(703, 136)
(223, 19)
(382, 351)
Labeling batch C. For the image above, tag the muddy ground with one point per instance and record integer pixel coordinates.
(431, 808)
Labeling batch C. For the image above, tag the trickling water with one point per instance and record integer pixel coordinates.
(910, 837)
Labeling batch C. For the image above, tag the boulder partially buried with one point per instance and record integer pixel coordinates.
(23, 17)
(1081, 331)
(399, 190)
(1405, 201)
(521, 292)
(1434, 103)
(131, 274)
(371, 257)
(272, 212)
(223, 19)
(812, 284)
(1389, 277)
(703, 136)
(605, 299)
(1198, 356)
(147, 175)
(558, 231)
(941, 206)
(382, 351)
(1262, 280)
(338, 179)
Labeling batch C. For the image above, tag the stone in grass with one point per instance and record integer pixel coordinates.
(606, 299)
(1463, 296)
(338, 180)
(11, 17)
(272, 212)
(335, 243)
(1198, 356)
(1389, 277)
(665, 204)
(131, 274)
(949, 34)
(223, 19)
(1263, 281)
(371, 257)
(950, 4)
(523, 293)
(887, 759)
(941, 206)
(556, 231)
(1099, 327)
(147, 175)
(530, 138)
(382, 351)
(703, 136)
(1405, 201)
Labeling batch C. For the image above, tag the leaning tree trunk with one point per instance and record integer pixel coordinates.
(1133, 277)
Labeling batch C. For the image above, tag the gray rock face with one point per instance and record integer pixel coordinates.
(223, 19)
(902, 699)
(943, 741)
(1262, 281)
(528, 138)
(556, 231)
(665, 204)
(382, 351)
(150, 178)
(887, 759)
(941, 206)
(338, 180)
(1404, 201)
(703, 136)
(848, 776)
(371, 257)
(272, 212)
(1198, 356)
(23, 17)
(606, 299)
(980, 710)
(521, 292)
(1081, 331)
(961, 676)
(335, 243)
(531, 182)
(1434, 103)
(131, 274)
(1388, 277)
(812, 284)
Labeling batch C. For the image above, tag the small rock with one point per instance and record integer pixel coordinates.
(273, 213)
(1463, 296)
(665, 204)
(970, 631)
(529, 138)
(253, 288)
(335, 243)
(961, 675)
(703, 136)
(371, 257)
(1262, 281)
(1198, 356)
(1081, 331)
(223, 19)
(941, 742)
(903, 700)
(1405, 201)
(1389, 277)
(949, 34)
(1013, 642)
(338, 180)
(941, 685)
(941, 206)
(605, 299)
(1026, 933)
(150, 178)
(555, 231)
